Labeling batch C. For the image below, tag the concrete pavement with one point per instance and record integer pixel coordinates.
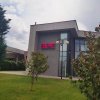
(25, 73)
(14, 72)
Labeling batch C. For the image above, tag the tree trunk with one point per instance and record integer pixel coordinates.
(94, 97)
(36, 77)
(32, 81)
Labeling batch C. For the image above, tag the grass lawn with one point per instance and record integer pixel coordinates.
(13, 87)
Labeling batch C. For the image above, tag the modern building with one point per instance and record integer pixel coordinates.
(15, 54)
(60, 42)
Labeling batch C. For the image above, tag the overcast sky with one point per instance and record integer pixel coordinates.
(26, 12)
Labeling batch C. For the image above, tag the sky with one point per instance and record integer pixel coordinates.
(26, 12)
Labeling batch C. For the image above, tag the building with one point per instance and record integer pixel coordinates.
(15, 54)
(49, 39)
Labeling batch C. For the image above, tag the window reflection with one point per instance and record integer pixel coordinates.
(80, 45)
(76, 54)
(63, 35)
(64, 47)
(76, 45)
(63, 55)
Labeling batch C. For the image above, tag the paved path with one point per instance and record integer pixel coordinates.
(25, 74)
(14, 72)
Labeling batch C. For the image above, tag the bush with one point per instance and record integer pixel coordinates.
(87, 67)
(11, 65)
(20, 65)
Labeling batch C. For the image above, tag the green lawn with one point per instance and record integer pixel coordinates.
(13, 87)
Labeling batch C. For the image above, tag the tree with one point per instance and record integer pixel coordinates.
(37, 65)
(98, 44)
(3, 31)
(87, 67)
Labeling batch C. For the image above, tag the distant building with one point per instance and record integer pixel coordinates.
(47, 38)
(15, 54)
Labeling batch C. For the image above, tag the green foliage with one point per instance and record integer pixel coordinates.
(2, 49)
(11, 65)
(3, 31)
(87, 67)
(37, 65)
(98, 44)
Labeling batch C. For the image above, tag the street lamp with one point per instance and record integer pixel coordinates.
(61, 42)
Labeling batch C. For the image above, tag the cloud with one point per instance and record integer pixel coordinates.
(81, 26)
(10, 9)
(15, 43)
(19, 4)
(26, 12)
(18, 32)
(89, 13)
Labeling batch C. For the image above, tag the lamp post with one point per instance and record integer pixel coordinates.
(61, 42)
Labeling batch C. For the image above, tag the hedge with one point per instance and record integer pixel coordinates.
(12, 65)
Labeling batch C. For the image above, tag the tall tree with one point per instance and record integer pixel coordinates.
(3, 31)
(87, 67)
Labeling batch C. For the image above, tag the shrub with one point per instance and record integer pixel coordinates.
(87, 67)
(11, 65)
(37, 65)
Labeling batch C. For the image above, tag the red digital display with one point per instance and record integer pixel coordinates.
(48, 45)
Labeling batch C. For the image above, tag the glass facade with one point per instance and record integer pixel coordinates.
(80, 45)
(63, 55)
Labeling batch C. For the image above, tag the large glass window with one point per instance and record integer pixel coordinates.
(63, 55)
(77, 45)
(63, 35)
(80, 45)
